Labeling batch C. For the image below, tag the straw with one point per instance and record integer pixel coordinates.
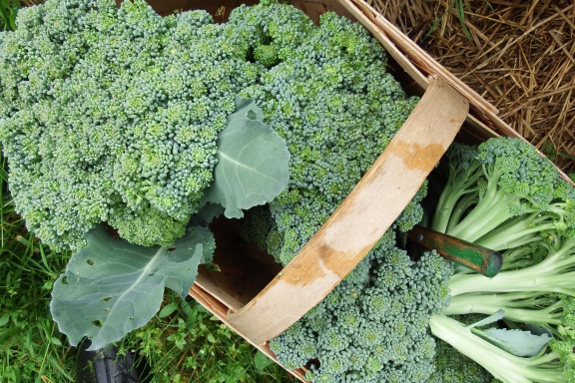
(521, 58)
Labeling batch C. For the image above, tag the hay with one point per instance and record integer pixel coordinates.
(521, 58)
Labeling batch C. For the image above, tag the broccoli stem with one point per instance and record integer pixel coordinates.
(444, 209)
(554, 274)
(518, 306)
(517, 258)
(461, 207)
(489, 213)
(517, 232)
(455, 189)
(502, 365)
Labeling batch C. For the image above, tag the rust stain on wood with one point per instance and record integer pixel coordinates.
(340, 262)
(308, 273)
(407, 151)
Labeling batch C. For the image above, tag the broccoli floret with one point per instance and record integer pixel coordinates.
(564, 345)
(148, 228)
(266, 55)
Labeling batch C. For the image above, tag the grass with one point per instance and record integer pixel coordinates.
(183, 343)
(459, 6)
(8, 10)
(191, 345)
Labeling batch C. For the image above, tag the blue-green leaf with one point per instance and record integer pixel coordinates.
(499, 314)
(252, 164)
(516, 342)
(112, 287)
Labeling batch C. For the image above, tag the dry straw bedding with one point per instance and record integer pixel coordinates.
(521, 57)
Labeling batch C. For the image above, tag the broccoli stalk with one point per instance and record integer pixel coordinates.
(464, 175)
(502, 195)
(529, 307)
(555, 273)
(544, 367)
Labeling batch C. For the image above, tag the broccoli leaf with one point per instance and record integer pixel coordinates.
(112, 286)
(252, 164)
(499, 314)
(207, 214)
(516, 342)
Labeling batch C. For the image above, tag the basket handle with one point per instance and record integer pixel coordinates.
(360, 221)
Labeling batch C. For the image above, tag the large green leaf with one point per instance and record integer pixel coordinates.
(252, 164)
(112, 287)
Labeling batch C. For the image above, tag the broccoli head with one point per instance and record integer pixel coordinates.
(330, 97)
(369, 329)
(113, 115)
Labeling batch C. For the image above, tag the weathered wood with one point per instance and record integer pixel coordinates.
(360, 221)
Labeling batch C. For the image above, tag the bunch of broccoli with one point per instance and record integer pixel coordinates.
(113, 115)
(330, 97)
(505, 196)
(373, 327)
(524, 198)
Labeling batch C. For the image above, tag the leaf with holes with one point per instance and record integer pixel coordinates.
(252, 164)
(112, 287)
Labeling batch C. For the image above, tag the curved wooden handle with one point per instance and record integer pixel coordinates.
(360, 221)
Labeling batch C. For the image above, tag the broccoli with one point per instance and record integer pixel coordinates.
(503, 195)
(372, 328)
(330, 97)
(113, 115)
(451, 366)
(556, 367)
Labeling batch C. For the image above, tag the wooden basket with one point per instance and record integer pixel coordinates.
(256, 297)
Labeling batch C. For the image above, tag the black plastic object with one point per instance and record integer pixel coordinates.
(107, 365)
